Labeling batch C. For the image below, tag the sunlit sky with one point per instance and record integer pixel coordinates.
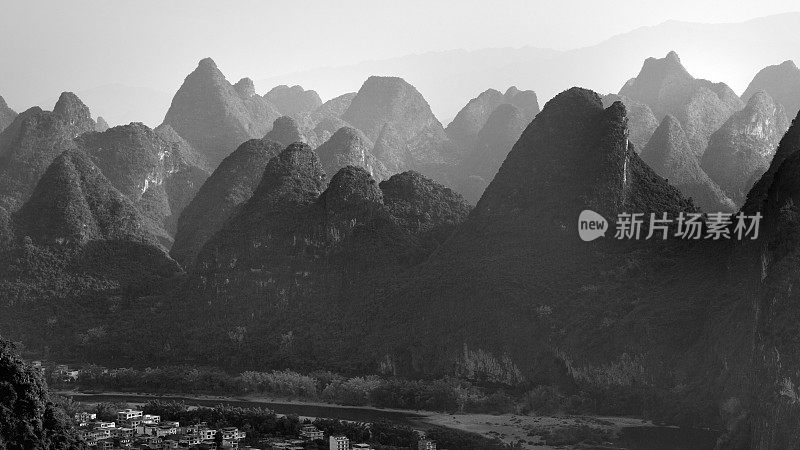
(48, 46)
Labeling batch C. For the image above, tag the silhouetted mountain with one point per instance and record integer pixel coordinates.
(741, 151)
(495, 289)
(7, 114)
(31, 143)
(213, 116)
(668, 153)
(152, 172)
(699, 105)
(285, 131)
(788, 146)
(231, 184)
(293, 100)
(781, 82)
(642, 123)
(493, 142)
(349, 147)
(417, 137)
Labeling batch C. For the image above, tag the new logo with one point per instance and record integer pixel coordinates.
(591, 225)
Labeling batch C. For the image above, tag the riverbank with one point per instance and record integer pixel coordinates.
(528, 432)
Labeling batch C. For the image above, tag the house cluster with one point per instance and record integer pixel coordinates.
(135, 430)
(310, 433)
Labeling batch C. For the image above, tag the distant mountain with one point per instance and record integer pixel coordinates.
(468, 122)
(447, 78)
(492, 144)
(31, 143)
(155, 174)
(395, 116)
(699, 105)
(101, 125)
(231, 185)
(285, 130)
(349, 147)
(7, 114)
(641, 120)
(781, 82)
(293, 100)
(741, 151)
(214, 117)
(669, 154)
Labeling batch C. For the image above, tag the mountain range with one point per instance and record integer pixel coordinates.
(335, 236)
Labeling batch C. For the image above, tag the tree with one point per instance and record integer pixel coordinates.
(28, 419)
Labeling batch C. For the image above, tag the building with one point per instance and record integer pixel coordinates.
(103, 425)
(312, 433)
(129, 414)
(362, 447)
(232, 434)
(123, 432)
(151, 419)
(338, 443)
(426, 444)
(83, 418)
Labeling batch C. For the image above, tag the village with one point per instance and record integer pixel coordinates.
(134, 429)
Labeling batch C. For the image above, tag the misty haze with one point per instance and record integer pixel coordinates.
(356, 225)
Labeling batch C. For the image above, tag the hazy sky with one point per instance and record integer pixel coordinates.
(48, 46)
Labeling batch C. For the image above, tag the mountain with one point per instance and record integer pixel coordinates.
(788, 146)
(490, 297)
(155, 174)
(492, 144)
(741, 151)
(669, 154)
(213, 116)
(464, 128)
(699, 105)
(285, 131)
(428, 210)
(74, 203)
(101, 125)
(418, 138)
(33, 140)
(781, 82)
(231, 185)
(293, 100)
(349, 147)
(641, 120)
(7, 114)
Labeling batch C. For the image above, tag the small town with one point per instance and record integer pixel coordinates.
(134, 429)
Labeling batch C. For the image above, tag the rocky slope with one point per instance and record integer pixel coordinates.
(155, 174)
(495, 302)
(349, 147)
(492, 144)
(293, 100)
(7, 114)
(781, 82)
(33, 140)
(231, 185)
(641, 120)
(214, 116)
(669, 154)
(741, 151)
(699, 105)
